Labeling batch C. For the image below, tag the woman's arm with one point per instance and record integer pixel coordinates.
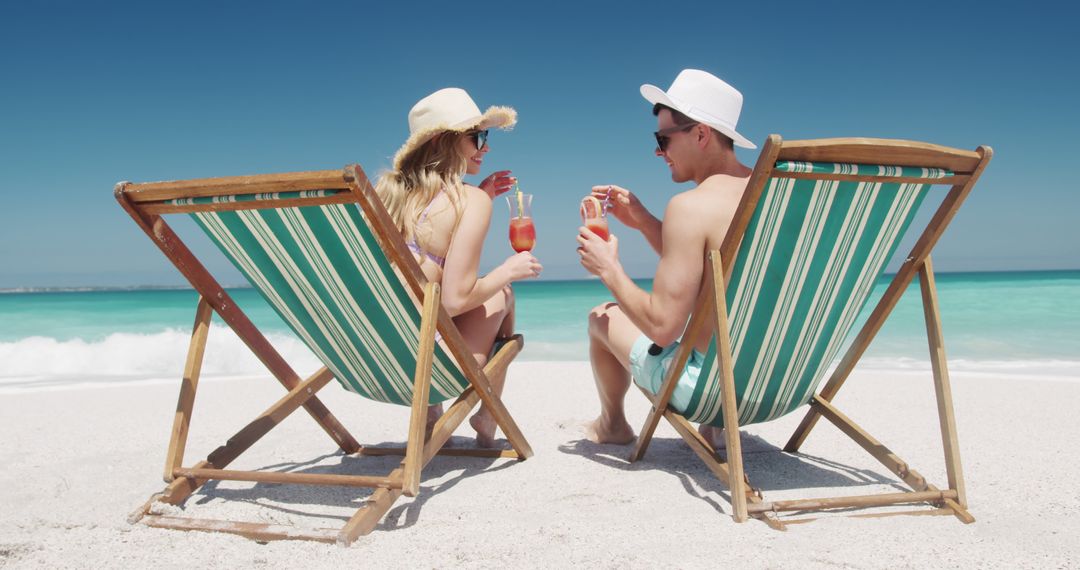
(462, 287)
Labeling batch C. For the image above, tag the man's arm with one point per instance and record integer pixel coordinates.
(661, 315)
(653, 230)
(631, 212)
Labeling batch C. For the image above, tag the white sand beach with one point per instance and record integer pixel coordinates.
(77, 461)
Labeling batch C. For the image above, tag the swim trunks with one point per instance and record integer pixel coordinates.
(649, 364)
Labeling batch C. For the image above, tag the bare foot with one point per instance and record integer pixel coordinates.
(713, 435)
(484, 425)
(599, 432)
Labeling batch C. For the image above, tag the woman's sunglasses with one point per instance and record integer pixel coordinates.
(479, 138)
(663, 135)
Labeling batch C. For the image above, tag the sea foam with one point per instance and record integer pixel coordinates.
(41, 361)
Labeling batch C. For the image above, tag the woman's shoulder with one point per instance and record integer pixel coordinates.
(470, 190)
(474, 196)
(474, 199)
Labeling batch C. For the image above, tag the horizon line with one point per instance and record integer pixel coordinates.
(188, 287)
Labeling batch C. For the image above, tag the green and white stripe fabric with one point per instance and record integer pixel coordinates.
(862, 169)
(234, 198)
(806, 265)
(322, 270)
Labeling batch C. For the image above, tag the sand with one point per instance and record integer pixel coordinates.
(77, 461)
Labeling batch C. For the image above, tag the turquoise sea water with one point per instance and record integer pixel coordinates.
(1011, 318)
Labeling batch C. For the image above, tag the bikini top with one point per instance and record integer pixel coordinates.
(414, 247)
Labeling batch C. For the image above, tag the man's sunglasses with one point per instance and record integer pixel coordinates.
(663, 135)
(479, 138)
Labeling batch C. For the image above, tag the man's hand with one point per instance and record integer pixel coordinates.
(599, 257)
(622, 204)
(498, 183)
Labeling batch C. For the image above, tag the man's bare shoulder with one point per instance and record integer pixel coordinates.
(712, 192)
(724, 183)
(691, 209)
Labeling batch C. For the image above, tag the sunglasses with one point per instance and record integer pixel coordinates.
(663, 135)
(479, 138)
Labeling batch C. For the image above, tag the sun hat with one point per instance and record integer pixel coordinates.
(449, 109)
(704, 98)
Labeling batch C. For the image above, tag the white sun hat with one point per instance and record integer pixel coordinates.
(704, 98)
(449, 109)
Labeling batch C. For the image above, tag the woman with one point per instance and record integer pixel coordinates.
(444, 221)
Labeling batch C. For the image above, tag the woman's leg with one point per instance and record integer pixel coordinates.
(480, 327)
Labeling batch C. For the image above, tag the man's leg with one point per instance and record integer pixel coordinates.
(611, 336)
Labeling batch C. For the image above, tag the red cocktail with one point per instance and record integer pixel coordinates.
(598, 227)
(522, 234)
(522, 230)
(593, 215)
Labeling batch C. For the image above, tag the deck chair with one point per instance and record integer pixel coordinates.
(813, 232)
(323, 252)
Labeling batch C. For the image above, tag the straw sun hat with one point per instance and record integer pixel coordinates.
(449, 109)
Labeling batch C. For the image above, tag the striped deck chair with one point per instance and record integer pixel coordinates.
(323, 252)
(815, 228)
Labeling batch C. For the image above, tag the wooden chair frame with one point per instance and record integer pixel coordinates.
(746, 501)
(146, 203)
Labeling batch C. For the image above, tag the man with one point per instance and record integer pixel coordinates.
(637, 334)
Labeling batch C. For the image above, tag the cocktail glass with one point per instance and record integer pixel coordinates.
(594, 216)
(522, 231)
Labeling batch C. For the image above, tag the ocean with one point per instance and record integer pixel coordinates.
(1021, 324)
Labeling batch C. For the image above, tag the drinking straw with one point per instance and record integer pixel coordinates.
(520, 201)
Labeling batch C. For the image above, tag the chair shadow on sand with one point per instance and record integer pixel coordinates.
(770, 466)
(292, 499)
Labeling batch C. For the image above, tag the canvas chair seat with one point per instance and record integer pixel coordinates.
(322, 270)
(816, 226)
(323, 252)
(812, 253)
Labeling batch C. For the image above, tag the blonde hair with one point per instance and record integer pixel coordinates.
(438, 164)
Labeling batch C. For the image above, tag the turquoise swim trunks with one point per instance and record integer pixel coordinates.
(649, 370)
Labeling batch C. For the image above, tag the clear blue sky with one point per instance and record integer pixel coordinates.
(93, 93)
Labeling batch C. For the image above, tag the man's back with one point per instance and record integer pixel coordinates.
(711, 207)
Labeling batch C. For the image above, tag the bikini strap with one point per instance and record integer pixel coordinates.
(414, 246)
(423, 215)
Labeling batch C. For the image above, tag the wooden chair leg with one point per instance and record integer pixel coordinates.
(421, 389)
(174, 458)
(722, 470)
(884, 455)
(647, 430)
(727, 389)
(365, 519)
(942, 388)
(182, 487)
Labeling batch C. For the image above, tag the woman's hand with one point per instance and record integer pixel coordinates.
(522, 266)
(622, 204)
(498, 183)
(598, 256)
